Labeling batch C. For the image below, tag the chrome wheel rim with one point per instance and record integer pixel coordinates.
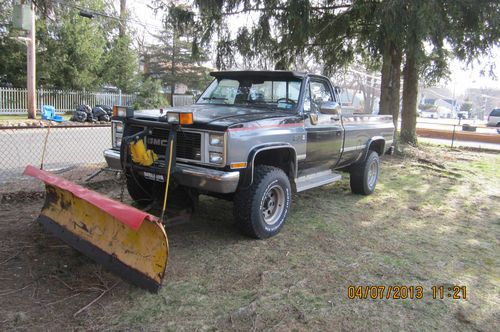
(273, 204)
(372, 174)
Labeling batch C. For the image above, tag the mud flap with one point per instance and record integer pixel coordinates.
(127, 241)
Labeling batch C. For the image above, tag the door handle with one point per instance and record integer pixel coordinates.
(334, 118)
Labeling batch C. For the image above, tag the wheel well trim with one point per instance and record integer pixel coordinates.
(266, 147)
(370, 142)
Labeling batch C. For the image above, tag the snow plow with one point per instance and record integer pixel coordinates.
(127, 241)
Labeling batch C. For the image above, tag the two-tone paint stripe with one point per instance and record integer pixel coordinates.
(354, 148)
(254, 127)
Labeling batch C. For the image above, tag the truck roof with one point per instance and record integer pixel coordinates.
(261, 74)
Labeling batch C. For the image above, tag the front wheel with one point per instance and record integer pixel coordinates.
(260, 210)
(139, 189)
(364, 175)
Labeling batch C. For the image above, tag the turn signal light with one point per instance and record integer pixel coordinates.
(186, 118)
(180, 118)
(238, 165)
(123, 111)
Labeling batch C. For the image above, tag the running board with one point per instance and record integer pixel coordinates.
(315, 180)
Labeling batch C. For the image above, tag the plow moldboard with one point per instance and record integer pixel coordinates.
(137, 255)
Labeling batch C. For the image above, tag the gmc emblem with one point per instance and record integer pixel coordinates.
(156, 141)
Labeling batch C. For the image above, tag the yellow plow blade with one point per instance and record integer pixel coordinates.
(129, 242)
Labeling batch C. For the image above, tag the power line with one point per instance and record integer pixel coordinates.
(90, 13)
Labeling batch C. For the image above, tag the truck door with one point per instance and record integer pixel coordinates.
(324, 139)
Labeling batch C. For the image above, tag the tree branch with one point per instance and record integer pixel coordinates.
(281, 8)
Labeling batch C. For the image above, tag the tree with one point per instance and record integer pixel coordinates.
(150, 95)
(470, 28)
(420, 34)
(12, 51)
(174, 60)
(73, 52)
(121, 65)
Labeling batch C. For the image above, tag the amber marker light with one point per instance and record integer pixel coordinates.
(122, 112)
(238, 165)
(186, 118)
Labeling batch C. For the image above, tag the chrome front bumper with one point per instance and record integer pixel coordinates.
(113, 158)
(191, 176)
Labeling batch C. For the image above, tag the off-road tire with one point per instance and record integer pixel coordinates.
(249, 202)
(360, 179)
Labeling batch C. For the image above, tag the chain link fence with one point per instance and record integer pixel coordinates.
(66, 147)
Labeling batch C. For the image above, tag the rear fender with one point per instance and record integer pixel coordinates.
(377, 144)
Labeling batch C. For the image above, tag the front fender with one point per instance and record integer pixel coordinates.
(246, 175)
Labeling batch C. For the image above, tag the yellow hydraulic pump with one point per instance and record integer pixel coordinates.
(141, 155)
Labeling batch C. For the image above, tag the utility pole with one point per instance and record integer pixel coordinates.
(31, 70)
(123, 17)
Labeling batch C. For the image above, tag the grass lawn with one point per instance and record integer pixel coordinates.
(434, 220)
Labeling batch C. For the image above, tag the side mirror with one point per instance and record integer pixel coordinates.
(331, 107)
(313, 117)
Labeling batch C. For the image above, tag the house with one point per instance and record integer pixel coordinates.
(445, 105)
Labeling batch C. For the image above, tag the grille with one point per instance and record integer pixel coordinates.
(188, 143)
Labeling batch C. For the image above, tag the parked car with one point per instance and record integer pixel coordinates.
(255, 138)
(494, 118)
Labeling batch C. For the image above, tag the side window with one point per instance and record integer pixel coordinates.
(320, 93)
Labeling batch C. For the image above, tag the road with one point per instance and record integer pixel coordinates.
(447, 124)
(65, 147)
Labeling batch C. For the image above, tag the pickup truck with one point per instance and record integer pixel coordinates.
(255, 138)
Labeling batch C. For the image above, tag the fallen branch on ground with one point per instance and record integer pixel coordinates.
(96, 299)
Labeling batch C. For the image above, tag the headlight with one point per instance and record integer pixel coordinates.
(119, 127)
(184, 118)
(216, 158)
(172, 117)
(216, 140)
(116, 133)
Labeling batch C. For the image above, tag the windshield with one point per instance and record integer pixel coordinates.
(279, 94)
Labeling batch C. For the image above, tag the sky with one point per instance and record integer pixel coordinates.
(462, 76)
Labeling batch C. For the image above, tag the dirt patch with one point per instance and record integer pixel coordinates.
(423, 226)
(21, 187)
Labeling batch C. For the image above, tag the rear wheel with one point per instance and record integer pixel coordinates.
(260, 210)
(364, 175)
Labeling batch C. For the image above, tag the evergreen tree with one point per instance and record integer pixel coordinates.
(121, 66)
(173, 60)
(392, 32)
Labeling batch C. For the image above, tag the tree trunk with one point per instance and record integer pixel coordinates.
(390, 82)
(395, 85)
(410, 91)
(172, 89)
(385, 82)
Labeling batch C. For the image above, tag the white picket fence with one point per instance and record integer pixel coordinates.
(14, 101)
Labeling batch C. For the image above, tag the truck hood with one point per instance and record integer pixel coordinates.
(218, 117)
